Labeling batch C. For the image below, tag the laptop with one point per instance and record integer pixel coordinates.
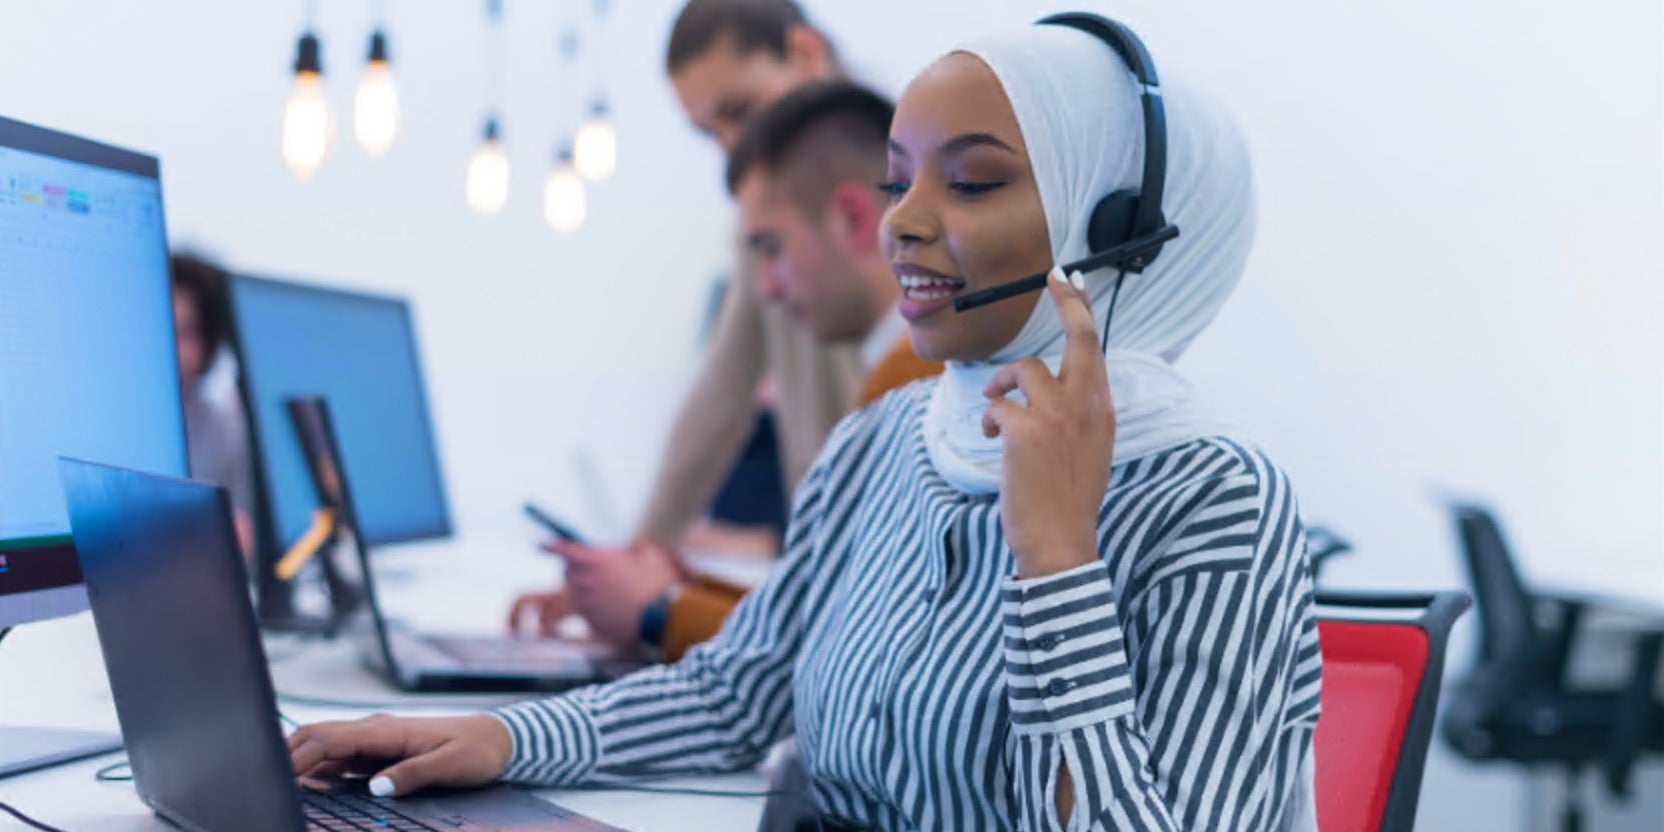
(198, 714)
(426, 662)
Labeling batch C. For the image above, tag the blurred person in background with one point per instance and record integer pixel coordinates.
(727, 60)
(216, 429)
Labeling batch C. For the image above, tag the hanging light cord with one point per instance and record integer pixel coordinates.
(494, 57)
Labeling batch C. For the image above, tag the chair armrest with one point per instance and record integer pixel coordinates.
(1635, 713)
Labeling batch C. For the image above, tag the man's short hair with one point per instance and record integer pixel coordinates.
(815, 138)
(753, 25)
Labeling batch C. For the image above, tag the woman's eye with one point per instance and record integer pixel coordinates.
(974, 188)
(894, 189)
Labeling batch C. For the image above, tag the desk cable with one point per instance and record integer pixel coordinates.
(27, 821)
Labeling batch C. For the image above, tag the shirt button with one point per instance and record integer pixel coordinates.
(1050, 641)
(1058, 687)
(875, 711)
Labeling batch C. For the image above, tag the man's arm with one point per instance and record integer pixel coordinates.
(715, 419)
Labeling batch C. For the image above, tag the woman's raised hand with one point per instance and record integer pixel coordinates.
(1059, 447)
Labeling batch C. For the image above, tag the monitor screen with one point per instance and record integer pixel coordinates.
(87, 360)
(358, 352)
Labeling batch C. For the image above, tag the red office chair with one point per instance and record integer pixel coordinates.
(1383, 661)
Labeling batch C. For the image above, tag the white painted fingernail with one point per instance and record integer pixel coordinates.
(1078, 280)
(1057, 275)
(382, 786)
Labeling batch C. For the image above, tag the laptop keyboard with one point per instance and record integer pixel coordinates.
(549, 656)
(336, 812)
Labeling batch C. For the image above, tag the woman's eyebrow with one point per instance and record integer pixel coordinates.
(958, 144)
(963, 142)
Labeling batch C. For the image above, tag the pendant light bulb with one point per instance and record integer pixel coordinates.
(488, 174)
(307, 126)
(595, 147)
(376, 105)
(565, 201)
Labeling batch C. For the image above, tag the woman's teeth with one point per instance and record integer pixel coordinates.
(921, 287)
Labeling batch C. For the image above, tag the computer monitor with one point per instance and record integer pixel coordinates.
(358, 351)
(87, 358)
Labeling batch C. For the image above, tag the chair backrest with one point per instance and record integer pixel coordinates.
(1383, 659)
(1507, 628)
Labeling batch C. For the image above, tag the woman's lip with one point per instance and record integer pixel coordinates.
(926, 301)
(914, 310)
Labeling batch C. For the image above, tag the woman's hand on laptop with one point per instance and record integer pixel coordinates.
(402, 755)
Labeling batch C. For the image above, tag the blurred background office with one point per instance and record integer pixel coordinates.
(1456, 288)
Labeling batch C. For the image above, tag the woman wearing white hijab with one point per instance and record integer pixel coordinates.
(1041, 593)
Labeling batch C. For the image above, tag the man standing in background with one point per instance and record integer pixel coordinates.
(727, 60)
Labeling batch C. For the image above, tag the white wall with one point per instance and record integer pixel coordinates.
(1457, 282)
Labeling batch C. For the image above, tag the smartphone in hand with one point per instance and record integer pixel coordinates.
(555, 527)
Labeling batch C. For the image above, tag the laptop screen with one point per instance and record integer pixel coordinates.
(183, 654)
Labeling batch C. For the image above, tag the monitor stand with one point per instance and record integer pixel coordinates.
(28, 749)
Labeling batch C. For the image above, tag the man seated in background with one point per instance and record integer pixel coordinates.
(804, 175)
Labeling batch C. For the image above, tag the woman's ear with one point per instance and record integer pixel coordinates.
(808, 51)
(854, 214)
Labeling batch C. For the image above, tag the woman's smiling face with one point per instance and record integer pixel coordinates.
(965, 211)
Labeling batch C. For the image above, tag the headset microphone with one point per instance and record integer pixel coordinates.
(1035, 283)
(1127, 228)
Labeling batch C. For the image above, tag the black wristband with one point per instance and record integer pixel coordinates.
(653, 621)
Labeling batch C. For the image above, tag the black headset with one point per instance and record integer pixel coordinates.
(1127, 228)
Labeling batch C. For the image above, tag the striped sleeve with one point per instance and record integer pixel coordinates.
(1182, 710)
(718, 709)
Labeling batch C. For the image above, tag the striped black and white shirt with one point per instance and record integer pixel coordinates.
(1177, 677)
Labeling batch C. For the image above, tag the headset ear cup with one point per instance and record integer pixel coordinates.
(1112, 220)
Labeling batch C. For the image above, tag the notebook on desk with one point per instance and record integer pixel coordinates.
(198, 714)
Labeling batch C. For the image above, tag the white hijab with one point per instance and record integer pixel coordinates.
(1077, 105)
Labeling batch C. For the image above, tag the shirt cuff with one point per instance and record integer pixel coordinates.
(1065, 655)
(555, 742)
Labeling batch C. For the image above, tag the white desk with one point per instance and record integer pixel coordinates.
(51, 674)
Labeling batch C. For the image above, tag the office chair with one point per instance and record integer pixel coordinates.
(1383, 665)
(1322, 543)
(1516, 703)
